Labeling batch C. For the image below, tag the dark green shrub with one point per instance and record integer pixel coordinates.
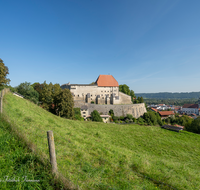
(115, 118)
(96, 116)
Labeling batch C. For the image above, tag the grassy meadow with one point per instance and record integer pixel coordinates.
(102, 156)
(19, 167)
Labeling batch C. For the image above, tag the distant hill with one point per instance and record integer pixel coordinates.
(170, 95)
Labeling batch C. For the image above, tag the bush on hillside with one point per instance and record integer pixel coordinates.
(77, 114)
(111, 113)
(28, 92)
(96, 116)
(64, 104)
(115, 118)
(140, 121)
(152, 118)
(193, 126)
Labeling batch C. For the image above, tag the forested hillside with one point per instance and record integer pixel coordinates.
(169, 95)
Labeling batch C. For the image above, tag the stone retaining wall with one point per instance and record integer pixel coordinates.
(136, 110)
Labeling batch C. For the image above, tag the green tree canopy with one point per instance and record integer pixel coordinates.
(96, 116)
(28, 92)
(193, 126)
(125, 89)
(111, 113)
(3, 72)
(64, 104)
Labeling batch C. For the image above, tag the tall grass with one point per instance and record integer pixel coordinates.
(19, 167)
(108, 156)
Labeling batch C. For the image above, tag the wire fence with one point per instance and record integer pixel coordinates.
(94, 182)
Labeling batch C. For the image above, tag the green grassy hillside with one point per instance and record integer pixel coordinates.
(19, 167)
(108, 156)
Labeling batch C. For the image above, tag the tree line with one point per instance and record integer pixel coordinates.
(50, 97)
(176, 102)
(170, 95)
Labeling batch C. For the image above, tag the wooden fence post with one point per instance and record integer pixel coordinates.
(1, 102)
(52, 152)
(1, 106)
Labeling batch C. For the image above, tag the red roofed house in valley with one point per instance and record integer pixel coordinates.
(154, 109)
(166, 114)
(191, 108)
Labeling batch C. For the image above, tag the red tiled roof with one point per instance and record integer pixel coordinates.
(190, 106)
(106, 80)
(179, 126)
(154, 109)
(163, 113)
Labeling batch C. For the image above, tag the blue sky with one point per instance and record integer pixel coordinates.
(150, 45)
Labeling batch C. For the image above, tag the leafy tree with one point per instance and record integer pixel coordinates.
(3, 72)
(28, 92)
(124, 88)
(193, 126)
(152, 118)
(96, 116)
(92, 83)
(129, 116)
(64, 104)
(139, 100)
(34, 84)
(46, 96)
(132, 94)
(77, 114)
(183, 120)
(38, 87)
(140, 121)
(111, 113)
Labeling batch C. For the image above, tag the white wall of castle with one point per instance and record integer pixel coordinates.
(80, 92)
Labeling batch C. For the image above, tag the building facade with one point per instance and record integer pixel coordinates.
(104, 91)
(191, 108)
(102, 96)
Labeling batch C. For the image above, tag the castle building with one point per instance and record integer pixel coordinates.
(102, 96)
(104, 91)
